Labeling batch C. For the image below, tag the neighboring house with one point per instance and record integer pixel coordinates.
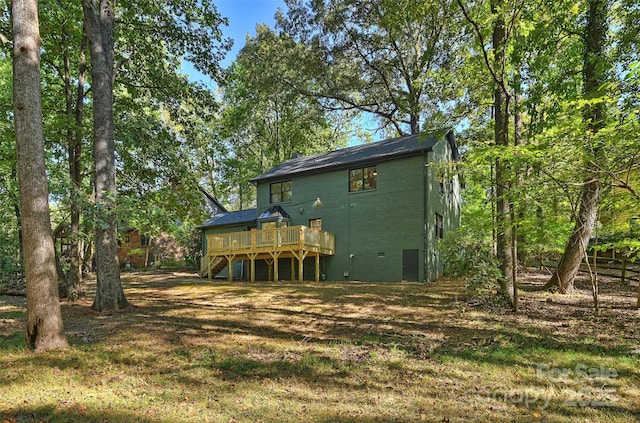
(372, 212)
(134, 250)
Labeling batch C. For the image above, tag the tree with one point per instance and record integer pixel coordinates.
(162, 118)
(264, 120)
(594, 71)
(392, 59)
(64, 71)
(497, 65)
(99, 25)
(45, 330)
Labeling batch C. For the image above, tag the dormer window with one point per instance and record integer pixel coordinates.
(280, 192)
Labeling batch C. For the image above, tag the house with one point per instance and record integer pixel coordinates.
(134, 250)
(372, 212)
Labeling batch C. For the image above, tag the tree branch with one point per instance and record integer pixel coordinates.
(485, 54)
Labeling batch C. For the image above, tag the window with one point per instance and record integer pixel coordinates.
(363, 179)
(439, 226)
(144, 240)
(280, 192)
(268, 225)
(441, 184)
(315, 224)
(126, 239)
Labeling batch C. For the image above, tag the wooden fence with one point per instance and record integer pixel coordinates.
(616, 267)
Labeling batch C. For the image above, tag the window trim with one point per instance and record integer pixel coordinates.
(281, 192)
(364, 178)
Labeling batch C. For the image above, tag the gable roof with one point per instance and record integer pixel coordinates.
(212, 205)
(275, 212)
(409, 145)
(231, 218)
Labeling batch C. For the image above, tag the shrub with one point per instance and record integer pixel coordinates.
(468, 255)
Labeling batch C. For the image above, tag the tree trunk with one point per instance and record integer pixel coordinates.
(88, 256)
(99, 19)
(569, 265)
(45, 330)
(74, 151)
(415, 123)
(504, 231)
(518, 130)
(63, 285)
(594, 76)
(16, 210)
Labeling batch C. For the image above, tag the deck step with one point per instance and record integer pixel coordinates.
(218, 264)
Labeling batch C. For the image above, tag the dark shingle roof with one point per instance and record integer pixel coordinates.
(231, 218)
(375, 151)
(213, 205)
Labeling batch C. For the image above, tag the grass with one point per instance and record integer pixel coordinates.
(191, 350)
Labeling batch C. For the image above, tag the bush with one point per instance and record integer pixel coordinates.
(468, 255)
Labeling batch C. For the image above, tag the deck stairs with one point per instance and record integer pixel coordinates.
(218, 264)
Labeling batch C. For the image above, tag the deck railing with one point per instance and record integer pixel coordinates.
(271, 240)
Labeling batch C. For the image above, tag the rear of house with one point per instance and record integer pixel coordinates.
(384, 206)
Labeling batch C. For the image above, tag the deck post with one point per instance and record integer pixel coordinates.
(252, 267)
(270, 266)
(230, 258)
(301, 239)
(275, 267)
(301, 266)
(275, 256)
(209, 266)
(293, 268)
(317, 267)
(301, 256)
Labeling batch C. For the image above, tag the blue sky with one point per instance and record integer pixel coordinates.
(243, 17)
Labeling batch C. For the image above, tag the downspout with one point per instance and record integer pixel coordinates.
(425, 189)
(204, 247)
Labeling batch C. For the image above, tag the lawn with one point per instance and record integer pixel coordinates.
(193, 350)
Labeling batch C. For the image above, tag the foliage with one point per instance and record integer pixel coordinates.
(391, 59)
(10, 261)
(467, 253)
(166, 249)
(264, 120)
(189, 237)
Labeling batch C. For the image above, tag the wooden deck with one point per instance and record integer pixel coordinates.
(295, 242)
